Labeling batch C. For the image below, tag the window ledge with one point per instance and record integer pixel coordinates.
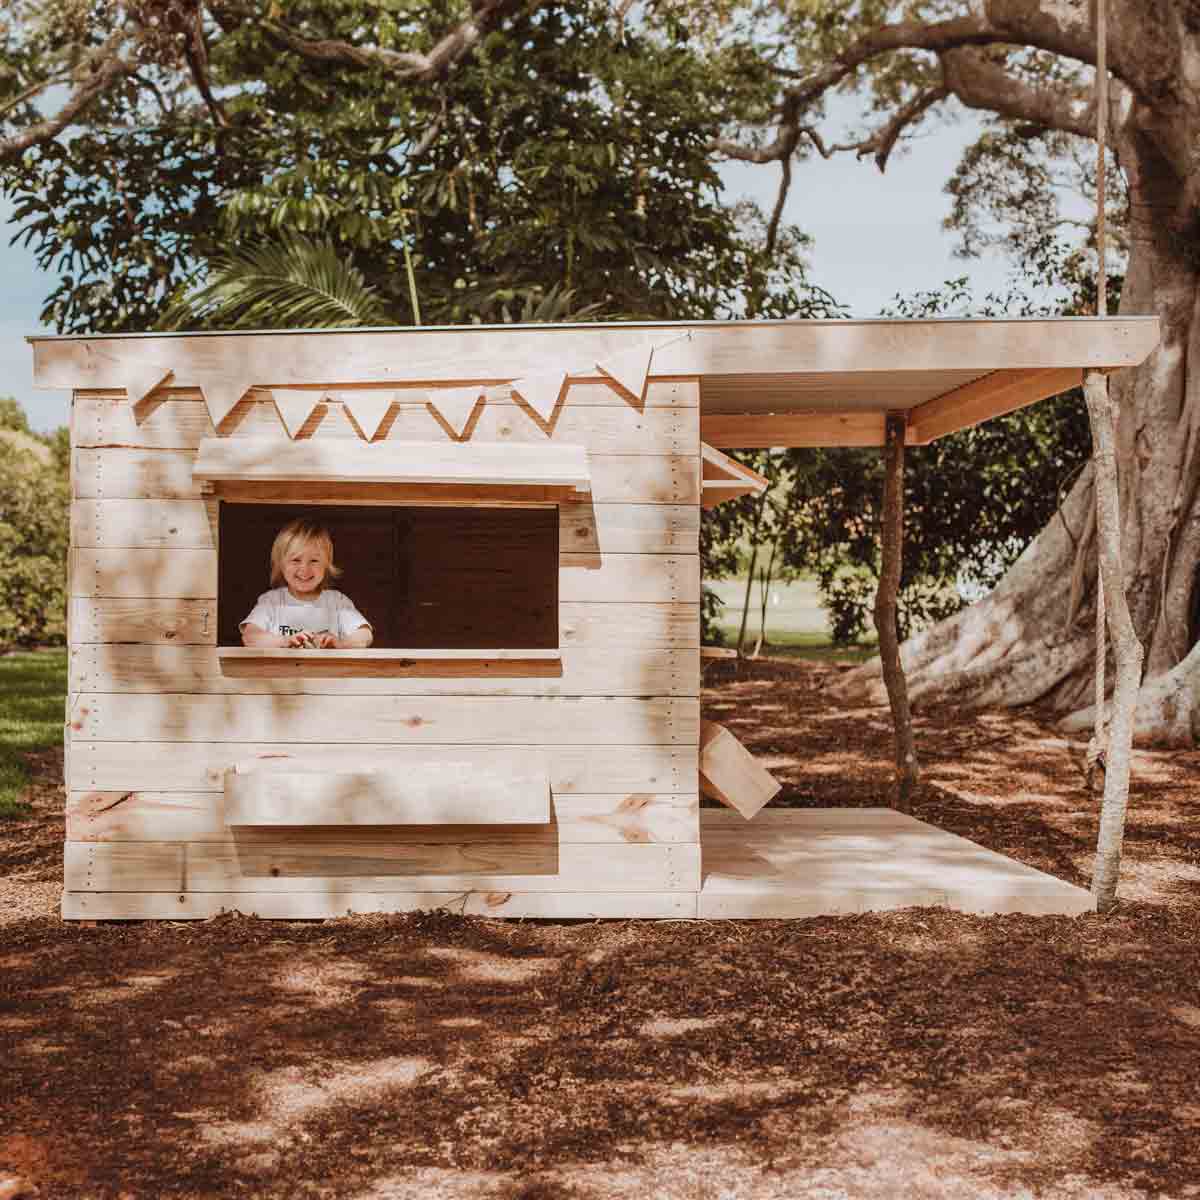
(270, 660)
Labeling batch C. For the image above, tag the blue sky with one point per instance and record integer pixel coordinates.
(875, 236)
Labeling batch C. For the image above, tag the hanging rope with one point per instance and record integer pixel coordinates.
(1098, 745)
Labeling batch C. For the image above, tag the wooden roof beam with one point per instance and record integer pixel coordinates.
(993, 395)
(749, 431)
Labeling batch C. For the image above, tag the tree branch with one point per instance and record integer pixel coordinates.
(102, 70)
(785, 184)
(33, 90)
(980, 83)
(884, 141)
(406, 66)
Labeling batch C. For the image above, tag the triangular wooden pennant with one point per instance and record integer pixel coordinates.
(629, 369)
(455, 405)
(295, 406)
(541, 391)
(221, 397)
(367, 410)
(140, 379)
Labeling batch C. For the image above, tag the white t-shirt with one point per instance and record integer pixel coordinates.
(278, 611)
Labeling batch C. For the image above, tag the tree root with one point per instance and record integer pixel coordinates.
(1168, 708)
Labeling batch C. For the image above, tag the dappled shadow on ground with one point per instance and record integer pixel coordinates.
(919, 1053)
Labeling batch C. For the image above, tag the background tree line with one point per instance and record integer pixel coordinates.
(492, 159)
(34, 519)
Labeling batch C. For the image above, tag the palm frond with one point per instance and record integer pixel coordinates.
(295, 282)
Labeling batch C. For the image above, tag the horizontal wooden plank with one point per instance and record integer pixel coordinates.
(464, 354)
(144, 524)
(588, 528)
(585, 528)
(154, 621)
(482, 464)
(192, 574)
(199, 817)
(144, 574)
(577, 671)
(282, 866)
(629, 624)
(755, 430)
(193, 622)
(446, 793)
(404, 720)
(629, 578)
(179, 420)
(337, 902)
(131, 474)
(200, 766)
(134, 474)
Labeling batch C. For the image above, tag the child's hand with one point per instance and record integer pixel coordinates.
(300, 641)
(326, 641)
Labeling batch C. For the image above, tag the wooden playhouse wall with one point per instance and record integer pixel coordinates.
(154, 722)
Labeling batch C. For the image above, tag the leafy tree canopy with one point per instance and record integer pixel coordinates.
(569, 149)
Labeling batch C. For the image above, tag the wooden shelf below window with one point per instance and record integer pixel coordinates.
(271, 661)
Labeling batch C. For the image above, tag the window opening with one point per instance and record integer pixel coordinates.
(444, 577)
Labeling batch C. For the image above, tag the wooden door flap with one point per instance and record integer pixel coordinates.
(295, 791)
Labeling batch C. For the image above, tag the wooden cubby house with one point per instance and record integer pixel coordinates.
(517, 511)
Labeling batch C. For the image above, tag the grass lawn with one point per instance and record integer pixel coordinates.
(33, 685)
(797, 625)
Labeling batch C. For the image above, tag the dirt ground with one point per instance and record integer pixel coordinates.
(911, 1054)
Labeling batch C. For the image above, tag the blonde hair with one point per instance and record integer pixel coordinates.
(298, 533)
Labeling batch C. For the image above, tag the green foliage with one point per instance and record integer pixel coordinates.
(32, 693)
(294, 282)
(972, 501)
(34, 516)
(737, 537)
(12, 415)
(567, 154)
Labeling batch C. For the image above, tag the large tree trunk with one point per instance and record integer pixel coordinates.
(1023, 642)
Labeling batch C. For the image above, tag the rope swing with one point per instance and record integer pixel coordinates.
(1098, 744)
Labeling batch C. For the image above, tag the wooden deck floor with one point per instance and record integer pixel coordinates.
(813, 862)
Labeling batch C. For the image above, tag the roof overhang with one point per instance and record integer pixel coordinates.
(762, 383)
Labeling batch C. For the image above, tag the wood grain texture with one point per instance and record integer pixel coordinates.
(585, 528)
(270, 460)
(179, 421)
(283, 866)
(810, 862)
(179, 622)
(199, 817)
(192, 575)
(578, 671)
(403, 720)
(466, 354)
(131, 474)
(337, 902)
(200, 766)
(748, 431)
(144, 524)
(439, 792)
(594, 624)
(731, 774)
(1000, 392)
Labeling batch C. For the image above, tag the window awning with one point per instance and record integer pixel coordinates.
(338, 461)
(725, 478)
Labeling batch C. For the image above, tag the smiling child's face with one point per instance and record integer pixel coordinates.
(304, 568)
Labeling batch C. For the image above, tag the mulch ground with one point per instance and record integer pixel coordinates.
(920, 1053)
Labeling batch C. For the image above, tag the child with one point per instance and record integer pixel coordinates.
(304, 613)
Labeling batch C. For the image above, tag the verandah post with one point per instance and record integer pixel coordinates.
(892, 545)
